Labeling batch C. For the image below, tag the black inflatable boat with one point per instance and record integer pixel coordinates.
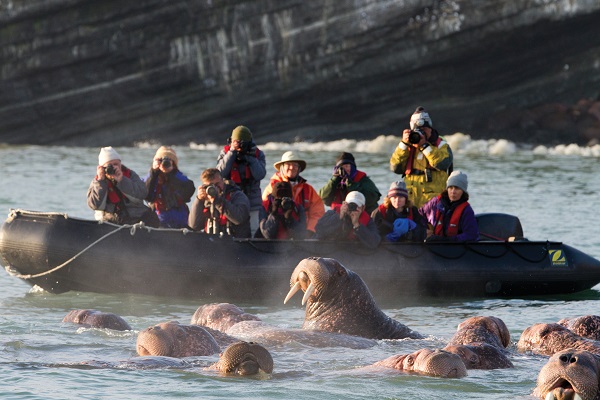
(59, 253)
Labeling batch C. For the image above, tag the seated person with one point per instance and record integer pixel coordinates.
(169, 189)
(397, 219)
(282, 218)
(450, 216)
(220, 207)
(349, 221)
(116, 194)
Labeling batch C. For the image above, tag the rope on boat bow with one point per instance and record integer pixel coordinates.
(119, 227)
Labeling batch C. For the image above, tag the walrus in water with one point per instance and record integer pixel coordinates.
(587, 326)
(481, 343)
(173, 339)
(244, 358)
(233, 321)
(427, 362)
(97, 319)
(547, 339)
(337, 300)
(569, 375)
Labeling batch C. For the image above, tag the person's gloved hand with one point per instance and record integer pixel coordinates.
(437, 238)
(275, 205)
(401, 226)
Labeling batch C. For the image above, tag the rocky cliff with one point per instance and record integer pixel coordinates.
(99, 72)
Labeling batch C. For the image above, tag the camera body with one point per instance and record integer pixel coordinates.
(212, 191)
(415, 136)
(352, 207)
(166, 162)
(109, 169)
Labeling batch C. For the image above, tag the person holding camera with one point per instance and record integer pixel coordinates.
(397, 219)
(220, 207)
(450, 216)
(169, 189)
(423, 158)
(243, 163)
(282, 217)
(116, 194)
(349, 221)
(288, 170)
(345, 179)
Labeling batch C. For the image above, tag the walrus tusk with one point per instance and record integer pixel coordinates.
(309, 290)
(292, 292)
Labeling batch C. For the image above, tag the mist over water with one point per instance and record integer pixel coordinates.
(554, 192)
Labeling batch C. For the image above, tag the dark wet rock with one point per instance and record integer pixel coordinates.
(92, 72)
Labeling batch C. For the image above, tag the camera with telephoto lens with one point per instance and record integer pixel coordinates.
(415, 136)
(287, 203)
(212, 191)
(166, 162)
(109, 169)
(352, 207)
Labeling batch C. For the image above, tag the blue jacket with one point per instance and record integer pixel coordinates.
(168, 199)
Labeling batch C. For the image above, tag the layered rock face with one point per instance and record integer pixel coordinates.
(100, 72)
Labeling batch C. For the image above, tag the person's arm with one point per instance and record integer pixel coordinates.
(269, 226)
(151, 181)
(184, 186)
(399, 158)
(197, 218)
(96, 195)
(329, 225)
(225, 162)
(469, 230)
(439, 157)
(368, 235)
(133, 187)
(237, 209)
(327, 192)
(257, 165)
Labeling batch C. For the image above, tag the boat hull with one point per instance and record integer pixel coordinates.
(105, 258)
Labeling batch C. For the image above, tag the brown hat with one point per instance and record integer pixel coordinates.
(241, 133)
(290, 156)
(282, 189)
(345, 158)
(165, 151)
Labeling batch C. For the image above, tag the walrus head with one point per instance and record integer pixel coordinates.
(569, 375)
(427, 362)
(547, 339)
(245, 358)
(173, 339)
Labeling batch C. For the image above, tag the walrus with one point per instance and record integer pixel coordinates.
(97, 319)
(337, 300)
(569, 375)
(481, 342)
(244, 358)
(234, 321)
(587, 326)
(427, 362)
(173, 339)
(547, 339)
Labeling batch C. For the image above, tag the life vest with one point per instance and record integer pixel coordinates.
(452, 228)
(411, 155)
(363, 220)
(236, 176)
(340, 196)
(115, 196)
(282, 231)
(222, 220)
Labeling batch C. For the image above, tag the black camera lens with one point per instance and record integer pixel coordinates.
(287, 203)
(352, 207)
(166, 162)
(109, 169)
(212, 191)
(415, 136)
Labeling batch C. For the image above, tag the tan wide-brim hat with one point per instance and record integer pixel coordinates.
(290, 156)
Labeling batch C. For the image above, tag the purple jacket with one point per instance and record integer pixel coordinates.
(467, 228)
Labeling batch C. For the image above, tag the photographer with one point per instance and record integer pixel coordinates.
(220, 207)
(169, 189)
(423, 158)
(117, 193)
(243, 163)
(282, 217)
(349, 221)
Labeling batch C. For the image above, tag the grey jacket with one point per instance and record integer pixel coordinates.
(226, 162)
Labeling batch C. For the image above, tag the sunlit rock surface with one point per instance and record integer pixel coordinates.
(99, 72)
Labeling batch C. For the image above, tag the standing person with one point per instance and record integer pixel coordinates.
(116, 194)
(349, 221)
(220, 207)
(288, 170)
(345, 179)
(282, 217)
(397, 219)
(169, 189)
(423, 159)
(244, 164)
(449, 214)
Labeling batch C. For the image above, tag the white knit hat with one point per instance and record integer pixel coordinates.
(420, 118)
(459, 179)
(355, 197)
(107, 154)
